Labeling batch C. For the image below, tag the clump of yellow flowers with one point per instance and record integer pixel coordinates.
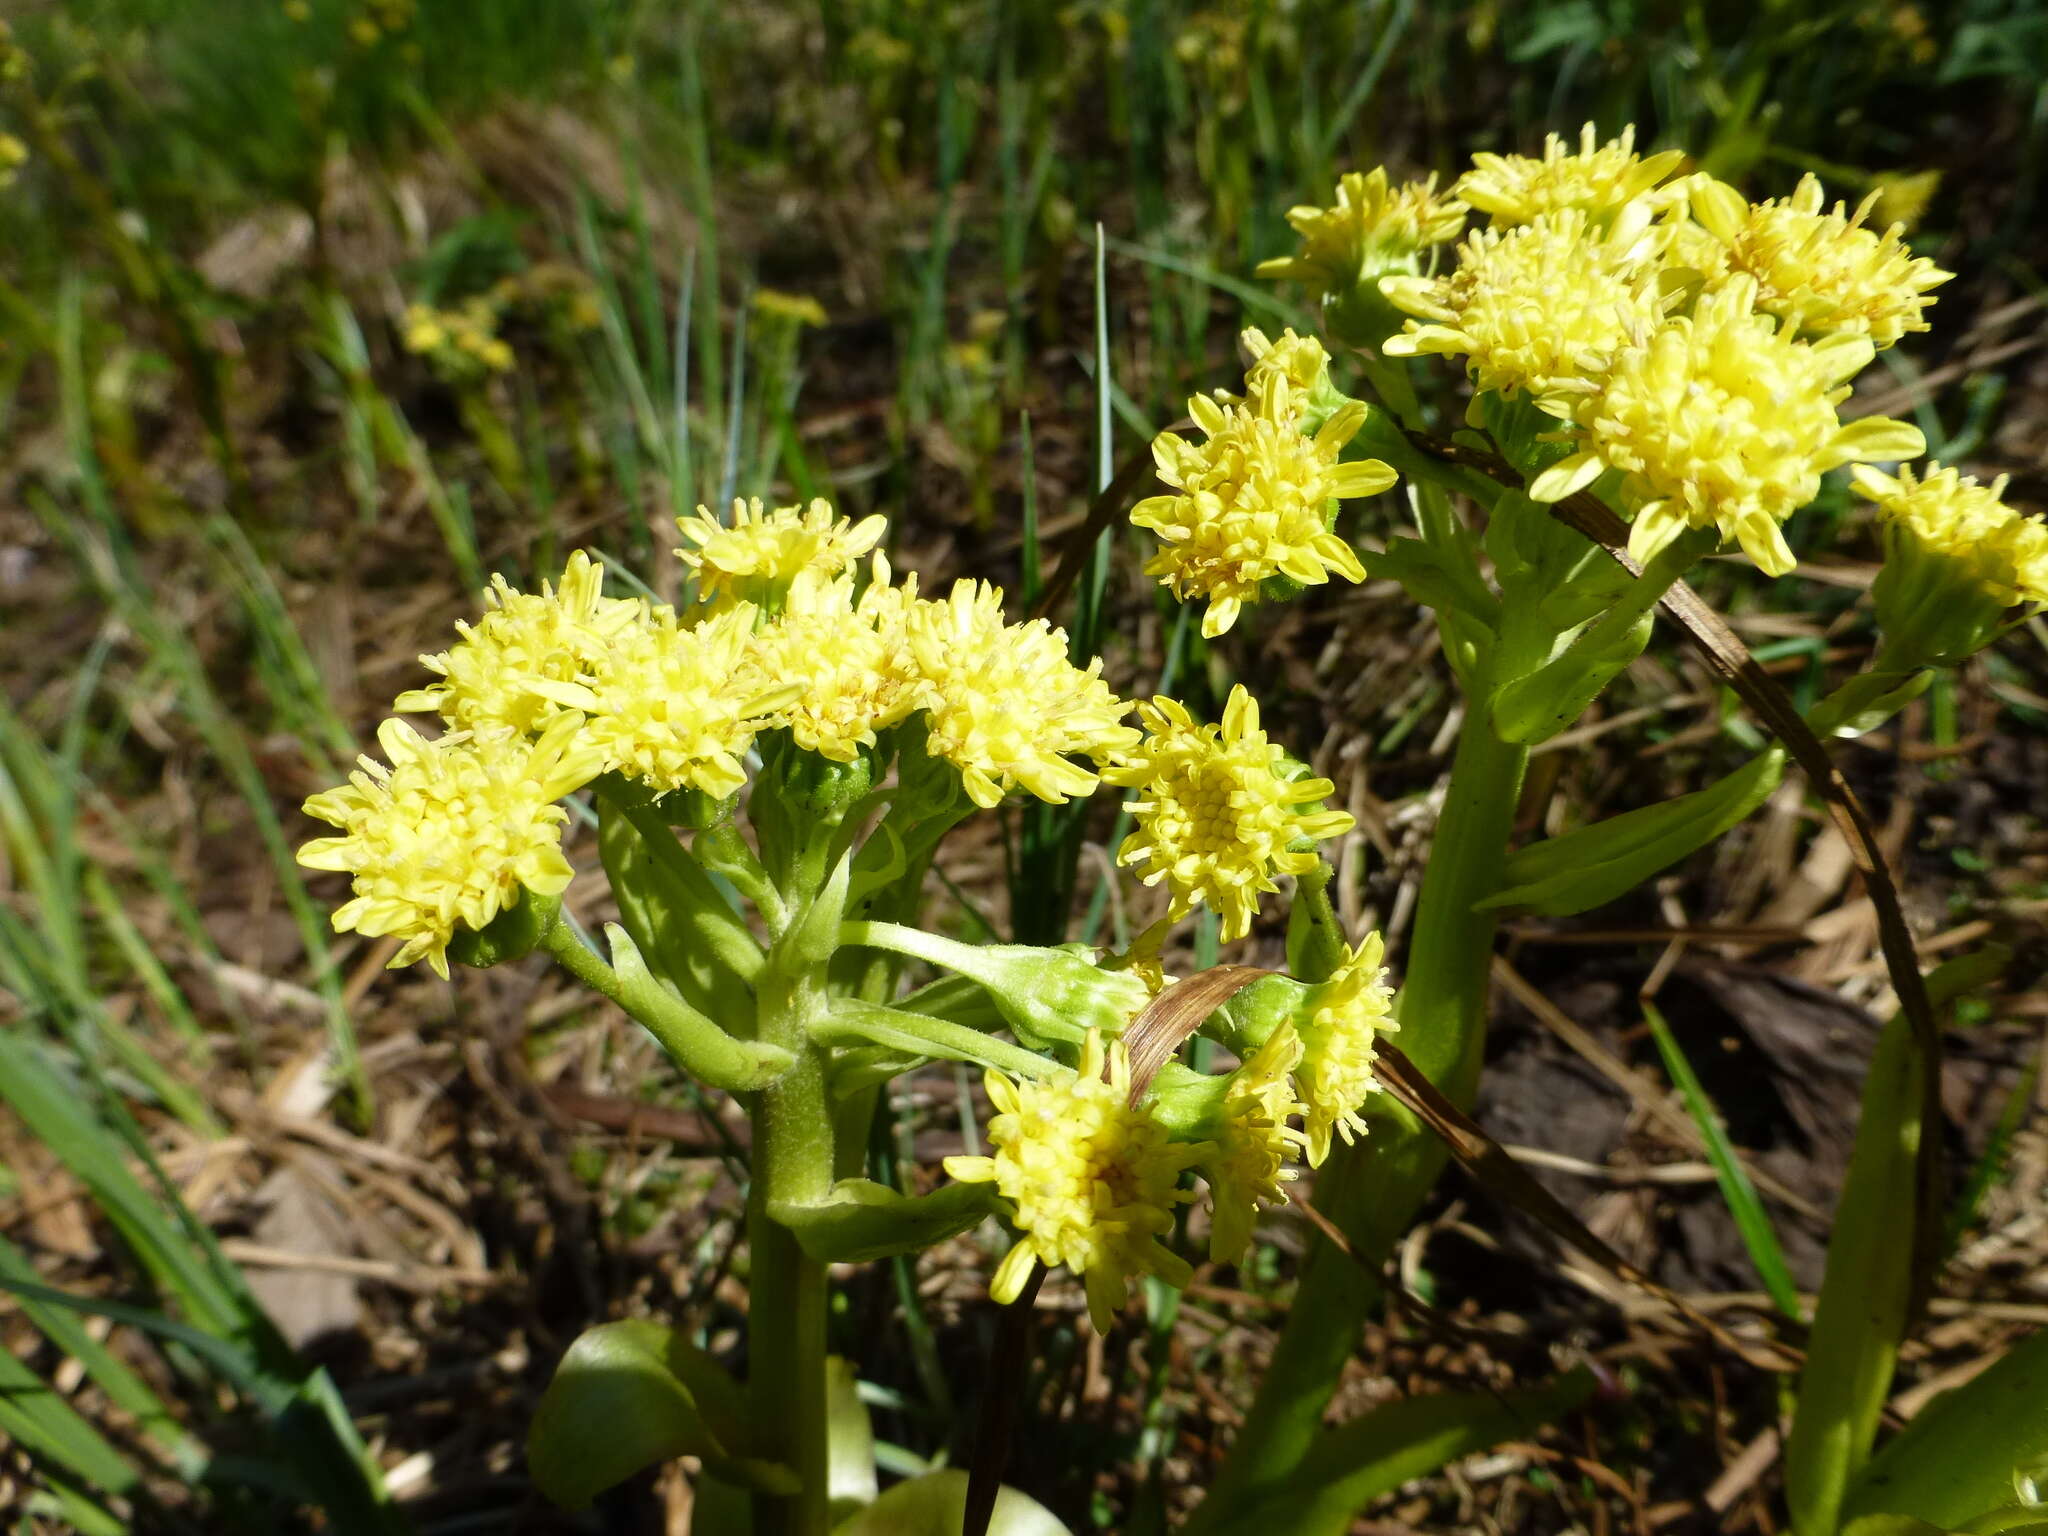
(806, 724)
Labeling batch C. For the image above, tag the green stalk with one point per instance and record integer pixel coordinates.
(1372, 1189)
(786, 1290)
(794, 1157)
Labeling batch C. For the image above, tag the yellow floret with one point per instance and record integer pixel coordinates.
(1006, 706)
(677, 707)
(449, 832)
(1373, 226)
(760, 554)
(1541, 307)
(1952, 515)
(1094, 1180)
(1724, 420)
(1218, 817)
(1255, 1144)
(531, 657)
(1822, 271)
(1599, 180)
(850, 658)
(1352, 1009)
(1254, 500)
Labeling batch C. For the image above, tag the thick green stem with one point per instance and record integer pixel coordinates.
(1371, 1190)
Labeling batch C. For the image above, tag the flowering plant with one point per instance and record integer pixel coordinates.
(773, 763)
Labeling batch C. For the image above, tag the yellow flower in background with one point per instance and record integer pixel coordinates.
(1218, 817)
(449, 832)
(531, 657)
(1254, 1145)
(1599, 180)
(461, 342)
(1372, 227)
(758, 556)
(1724, 420)
(1951, 514)
(1541, 307)
(1093, 1179)
(677, 706)
(1006, 706)
(796, 308)
(1254, 500)
(1820, 270)
(1903, 198)
(1352, 1009)
(850, 658)
(13, 156)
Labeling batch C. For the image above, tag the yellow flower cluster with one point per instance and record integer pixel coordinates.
(1599, 180)
(1093, 1178)
(13, 156)
(1536, 306)
(1006, 707)
(450, 831)
(759, 555)
(1696, 344)
(1373, 227)
(1255, 1144)
(785, 636)
(462, 341)
(532, 656)
(1953, 515)
(1218, 817)
(1335, 1076)
(1821, 271)
(1255, 500)
(1723, 419)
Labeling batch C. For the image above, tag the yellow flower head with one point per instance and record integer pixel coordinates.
(1600, 180)
(450, 831)
(1254, 1145)
(1951, 514)
(850, 658)
(1822, 272)
(1373, 227)
(531, 656)
(1217, 817)
(1724, 420)
(677, 706)
(797, 309)
(1541, 307)
(762, 554)
(1352, 1010)
(1302, 361)
(1254, 501)
(1093, 1179)
(1006, 707)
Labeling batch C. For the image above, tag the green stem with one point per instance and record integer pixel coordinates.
(793, 1164)
(692, 1041)
(1372, 1189)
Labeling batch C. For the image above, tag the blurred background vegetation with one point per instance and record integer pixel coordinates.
(314, 314)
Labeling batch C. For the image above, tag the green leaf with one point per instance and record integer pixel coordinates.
(849, 1439)
(35, 1416)
(863, 1221)
(1358, 1462)
(1758, 1235)
(936, 1504)
(628, 1395)
(1971, 1452)
(1861, 1313)
(1563, 876)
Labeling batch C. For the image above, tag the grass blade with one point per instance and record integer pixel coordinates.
(1759, 1236)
